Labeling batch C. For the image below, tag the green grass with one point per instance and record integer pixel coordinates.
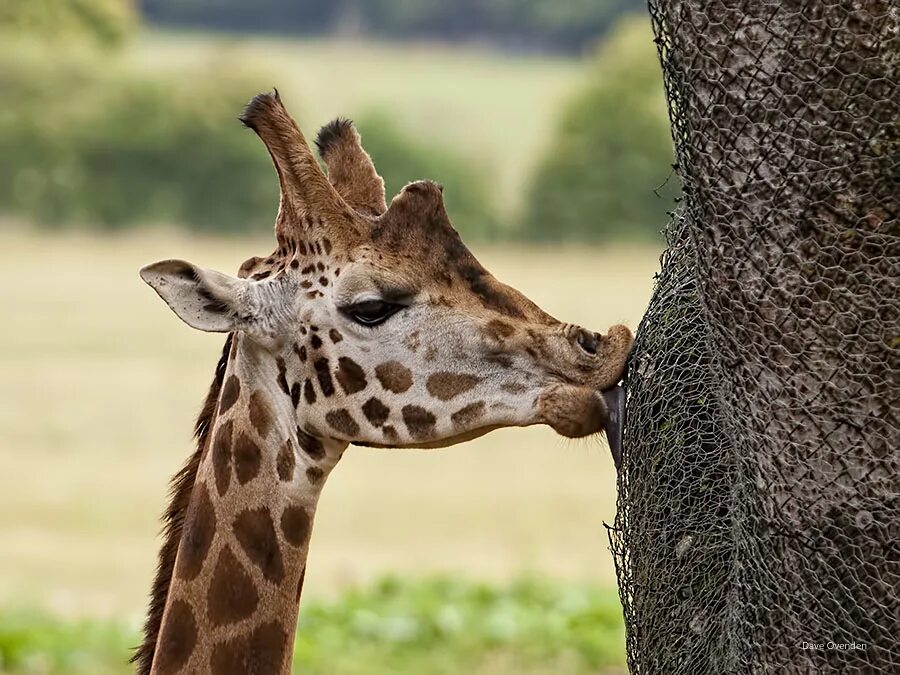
(437, 626)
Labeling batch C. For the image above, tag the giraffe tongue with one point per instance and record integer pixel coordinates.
(615, 408)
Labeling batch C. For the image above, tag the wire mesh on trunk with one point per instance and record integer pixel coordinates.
(758, 527)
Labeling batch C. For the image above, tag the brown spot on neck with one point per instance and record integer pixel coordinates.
(221, 457)
(314, 475)
(199, 528)
(342, 421)
(311, 445)
(295, 524)
(231, 596)
(230, 393)
(247, 458)
(261, 651)
(255, 533)
(178, 639)
(286, 461)
(260, 413)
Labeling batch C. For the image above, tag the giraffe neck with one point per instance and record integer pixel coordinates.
(235, 591)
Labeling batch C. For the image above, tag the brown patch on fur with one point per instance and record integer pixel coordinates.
(323, 374)
(390, 433)
(309, 392)
(465, 416)
(501, 360)
(311, 445)
(335, 336)
(376, 411)
(282, 376)
(177, 642)
(231, 596)
(295, 394)
(230, 393)
(498, 330)
(199, 528)
(314, 475)
(247, 457)
(492, 294)
(221, 457)
(446, 386)
(260, 413)
(259, 652)
(419, 421)
(394, 376)
(285, 462)
(181, 488)
(350, 375)
(255, 532)
(247, 266)
(295, 525)
(342, 421)
(514, 388)
(315, 342)
(412, 341)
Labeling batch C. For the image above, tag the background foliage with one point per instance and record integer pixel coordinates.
(569, 26)
(393, 626)
(91, 139)
(107, 22)
(612, 148)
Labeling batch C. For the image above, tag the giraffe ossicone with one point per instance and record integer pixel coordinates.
(370, 323)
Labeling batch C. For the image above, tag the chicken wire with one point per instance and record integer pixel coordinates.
(758, 523)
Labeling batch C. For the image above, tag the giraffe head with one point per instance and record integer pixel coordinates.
(385, 328)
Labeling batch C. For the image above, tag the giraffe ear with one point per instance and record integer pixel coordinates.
(203, 299)
(350, 168)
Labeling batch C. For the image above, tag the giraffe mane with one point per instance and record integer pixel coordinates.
(180, 488)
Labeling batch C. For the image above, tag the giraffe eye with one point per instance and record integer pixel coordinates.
(371, 312)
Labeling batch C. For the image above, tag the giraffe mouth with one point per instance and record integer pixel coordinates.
(614, 397)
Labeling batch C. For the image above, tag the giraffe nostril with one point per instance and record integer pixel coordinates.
(587, 341)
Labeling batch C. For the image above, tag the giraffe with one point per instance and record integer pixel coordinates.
(370, 324)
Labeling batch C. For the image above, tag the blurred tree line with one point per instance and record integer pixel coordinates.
(86, 139)
(607, 173)
(563, 25)
(104, 21)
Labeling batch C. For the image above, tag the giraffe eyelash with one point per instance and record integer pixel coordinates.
(371, 313)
